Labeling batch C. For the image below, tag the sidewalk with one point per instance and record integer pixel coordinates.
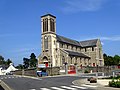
(100, 85)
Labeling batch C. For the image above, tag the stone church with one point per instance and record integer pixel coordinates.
(58, 50)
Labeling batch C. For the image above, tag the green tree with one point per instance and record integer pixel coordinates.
(8, 62)
(33, 60)
(26, 62)
(116, 59)
(105, 59)
(109, 60)
(2, 61)
(20, 66)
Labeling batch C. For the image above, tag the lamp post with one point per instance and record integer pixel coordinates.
(96, 61)
(51, 69)
(75, 67)
(66, 69)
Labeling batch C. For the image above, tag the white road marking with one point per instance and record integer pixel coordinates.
(5, 77)
(71, 87)
(88, 85)
(32, 89)
(66, 87)
(56, 88)
(44, 89)
(1, 78)
(78, 87)
(9, 77)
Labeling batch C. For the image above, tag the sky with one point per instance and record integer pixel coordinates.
(20, 26)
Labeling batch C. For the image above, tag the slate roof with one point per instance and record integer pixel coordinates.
(67, 40)
(72, 53)
(48, 15)
(86, 43)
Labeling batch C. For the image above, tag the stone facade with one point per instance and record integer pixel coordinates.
(58, 50)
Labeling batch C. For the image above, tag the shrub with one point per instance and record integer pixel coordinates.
(86, 71)
(114, 83)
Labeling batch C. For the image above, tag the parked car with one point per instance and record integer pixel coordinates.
(40, 73)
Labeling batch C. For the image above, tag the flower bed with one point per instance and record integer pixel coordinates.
(115, 82)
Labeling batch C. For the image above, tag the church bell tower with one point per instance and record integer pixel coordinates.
(48, 33)
(48, 22)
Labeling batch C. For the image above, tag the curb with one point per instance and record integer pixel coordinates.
(44, 76)
(4, 85)
(84, 82)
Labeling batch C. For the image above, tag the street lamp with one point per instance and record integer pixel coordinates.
(51, 69)
(76, 67)
(66, 69)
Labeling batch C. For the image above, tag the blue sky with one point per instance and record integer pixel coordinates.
(20, 30)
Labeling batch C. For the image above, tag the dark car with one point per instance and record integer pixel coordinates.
(40, 73)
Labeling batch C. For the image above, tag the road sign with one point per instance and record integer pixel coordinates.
(41, 65)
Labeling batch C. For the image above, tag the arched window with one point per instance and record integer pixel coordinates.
(63, 60)
(52, 25)
(45, 25)
(45, 42)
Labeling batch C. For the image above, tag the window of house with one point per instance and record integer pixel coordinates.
(67, 46)
(63, 60)
(71, 47)
(85, 49)
(92, 48)
(46, 42)
(100, 53)
(76, 48)
(45, 25)
(71, 61)
(93, 64)
(62, 45)
(80, 60)
(52, 25)
(54, 42)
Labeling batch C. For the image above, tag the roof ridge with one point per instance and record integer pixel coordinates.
(67, 38)
(89, 40)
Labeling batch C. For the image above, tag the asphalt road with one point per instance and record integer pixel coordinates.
(49, 83)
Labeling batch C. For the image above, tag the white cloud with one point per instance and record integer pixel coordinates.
(104, 38)
(102, 43)
(112, 38)
(83, 5)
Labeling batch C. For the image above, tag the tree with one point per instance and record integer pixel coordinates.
(2, 61)
(26, 62)
(109, 60)
(33, 60)
(20, 66)
(105, 59)
(8, 62)
(116, 60)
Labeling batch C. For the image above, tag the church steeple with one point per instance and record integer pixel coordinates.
(48, 23)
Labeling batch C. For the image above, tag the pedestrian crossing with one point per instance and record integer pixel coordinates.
(69, 87)
(9, 77)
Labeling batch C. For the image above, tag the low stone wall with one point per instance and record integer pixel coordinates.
(32, 72)
(106, 69)
(53, 71)
(26, 72)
